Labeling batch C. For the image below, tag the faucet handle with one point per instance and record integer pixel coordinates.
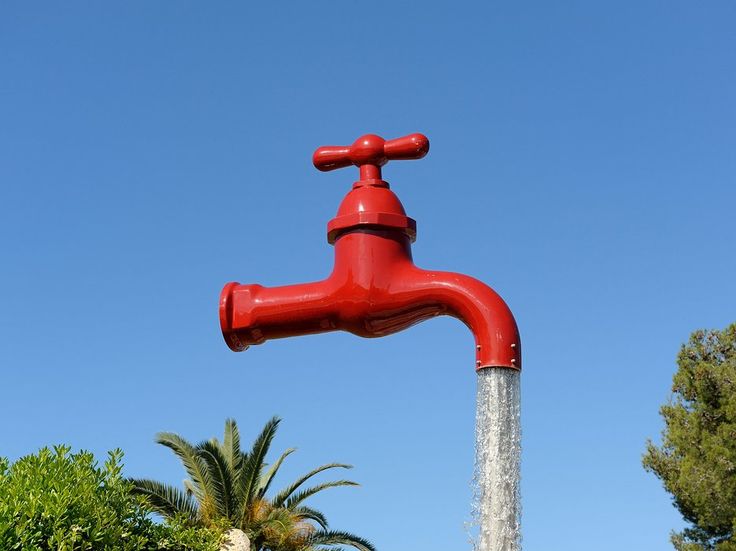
(370, 153)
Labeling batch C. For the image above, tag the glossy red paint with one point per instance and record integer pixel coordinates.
(374, 288)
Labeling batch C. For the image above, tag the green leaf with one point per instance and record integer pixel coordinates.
(166, 500)
(297, 498)
(284, 494)
(195, 466)
(268, 477)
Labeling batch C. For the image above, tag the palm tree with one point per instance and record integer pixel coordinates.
(229, 485)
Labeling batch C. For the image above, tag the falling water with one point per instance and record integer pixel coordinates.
(496, 479)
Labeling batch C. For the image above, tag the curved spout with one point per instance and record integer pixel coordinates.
(497, 340)
(374, 290)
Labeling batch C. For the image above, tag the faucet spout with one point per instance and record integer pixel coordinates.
(374, 290)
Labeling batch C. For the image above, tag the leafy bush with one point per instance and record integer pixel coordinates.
(66, 502)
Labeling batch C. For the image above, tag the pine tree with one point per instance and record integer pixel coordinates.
(697, 458)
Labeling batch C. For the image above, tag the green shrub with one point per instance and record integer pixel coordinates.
(56, 500)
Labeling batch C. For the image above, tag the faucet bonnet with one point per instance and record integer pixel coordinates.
(371, 203)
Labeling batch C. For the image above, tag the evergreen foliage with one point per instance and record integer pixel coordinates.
(55, 500)
(697, 459)
(227, 484)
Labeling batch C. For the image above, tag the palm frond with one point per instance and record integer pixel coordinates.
(231, 444)
(298, 497)
(267, 478)
(250, 471)
(195, 466)
(284, 494)
(221, 474)
(166, 500)
(307, 513)
(333, 537)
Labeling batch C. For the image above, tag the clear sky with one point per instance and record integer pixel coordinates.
(582, 164)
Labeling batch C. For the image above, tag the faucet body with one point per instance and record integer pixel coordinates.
(374, 288)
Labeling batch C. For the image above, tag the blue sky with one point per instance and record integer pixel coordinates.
(582, 164)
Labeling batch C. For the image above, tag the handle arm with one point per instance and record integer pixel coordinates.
(370, 153)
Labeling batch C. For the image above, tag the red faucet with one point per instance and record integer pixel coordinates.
(374, 289)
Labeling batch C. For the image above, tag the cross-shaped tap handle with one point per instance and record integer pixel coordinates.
(370, 153)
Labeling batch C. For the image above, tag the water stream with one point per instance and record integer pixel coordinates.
(496, 478)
